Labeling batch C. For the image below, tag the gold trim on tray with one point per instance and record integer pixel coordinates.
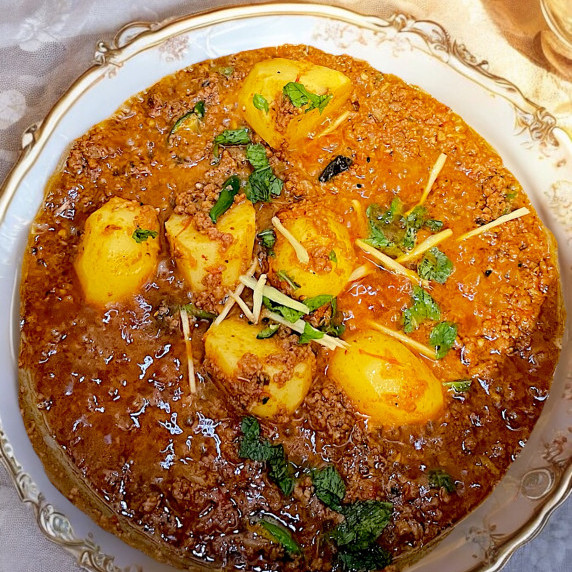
(551, 484)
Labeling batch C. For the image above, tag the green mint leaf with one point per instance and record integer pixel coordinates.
(192, 310)
(434, 225)
(251, 447)
(332, 256)
(329, 487)
(423, 308)
(260, 102)
(300, 96)
(317, 301)
(287, 313)
(310, 333)
(268, 332)
(267, 237)
(459, 385)
(435, 265)
(281, 535)
(282, 275)
(363, 523)
(439, 478)
(372, 558)
(229, 190)
(280, 472)
(263, 185)
(233, 137)
(256, 155)
(142, 234)
(442, 338)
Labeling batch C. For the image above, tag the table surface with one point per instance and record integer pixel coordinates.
(46, 44)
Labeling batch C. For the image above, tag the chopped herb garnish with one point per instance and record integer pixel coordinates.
(256, 155)
(281, 535)
(199, 109)
(287, 313)
(226, 197)
(423, 308)
(268, 332)
(439, 478)
(282, 275)
(372, 558)
(260, 102)
(459, 385)
(267, 237)
(310, 333)
(252, 447)
(434, 225)
(386, 228)
(442, 338)
(332, 256)
(364, 522)
(317, 301)
(192, 310)
(336, 166)
(231, 137)
(329, 487)
(300, 96)
(435, 265)
(226, 71)
(142, 234)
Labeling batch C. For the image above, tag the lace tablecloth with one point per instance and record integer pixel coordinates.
(46, 44)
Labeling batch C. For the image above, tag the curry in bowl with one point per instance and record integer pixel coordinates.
(283, 311)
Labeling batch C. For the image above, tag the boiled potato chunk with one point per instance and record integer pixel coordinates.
(268, 78)
(111, 263)
(385, 380)
(328, 244)
(228, 342)
(196, 254)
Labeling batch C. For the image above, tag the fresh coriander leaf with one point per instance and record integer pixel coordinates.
(282, 275)
(435, 266)
(434, 225)
(332, 256)
(260, 102)
(287, 313)
(459, 385)
(267, 237)
(256, 155)
(317, 301)
(268, 332)
(310, 333)
(251, 447)
(233, 137)
(423, 308)
(199, 109)
(142, 234)
(372, 558)
(333, 329)
(363, 523)
(417, 217)
(439, 478)
(262, 185)
(226, 197)
(300, 96)
(442, 338)
(280, 472)
(386, 228)
(226, 71)
(281, 535)
(329, 486)
(192, 310)
(338, 165)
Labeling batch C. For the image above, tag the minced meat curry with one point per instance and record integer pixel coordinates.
(283, 311)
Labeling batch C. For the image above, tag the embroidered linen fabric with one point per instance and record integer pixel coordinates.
(46, 44)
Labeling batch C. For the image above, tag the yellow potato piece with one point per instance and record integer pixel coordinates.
(228, 342)
(196, 254)
(385, 380)
(268, 78)
(110, 263)
(325, 238)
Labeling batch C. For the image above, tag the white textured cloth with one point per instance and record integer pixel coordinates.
(46, 44)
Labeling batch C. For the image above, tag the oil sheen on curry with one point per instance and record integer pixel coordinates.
(283, 311)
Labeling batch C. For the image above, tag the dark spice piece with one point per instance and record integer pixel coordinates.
(338, 165)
